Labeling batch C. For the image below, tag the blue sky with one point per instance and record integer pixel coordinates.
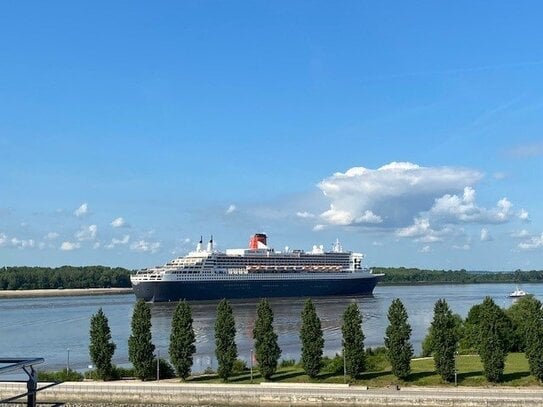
(410, 130)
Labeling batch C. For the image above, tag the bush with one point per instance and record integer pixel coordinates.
(287, 363)
(333, 365)
(376, 359)
(239, 366)
(60, 376)
(166, 369)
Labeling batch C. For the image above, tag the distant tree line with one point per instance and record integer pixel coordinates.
(488, 330)
(402, 275)
(33, 278)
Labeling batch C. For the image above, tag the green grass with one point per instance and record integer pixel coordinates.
(470, 373)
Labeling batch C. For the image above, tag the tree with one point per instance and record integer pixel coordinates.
(312, 340)
(427, 342)
(182, 340)
(494, 327)
(267, 350)
(101, 347)
(140, 347)
(444, 340)
(397, 340)
(226, 350)
(520, 314)
(353, 341)
(534, 339)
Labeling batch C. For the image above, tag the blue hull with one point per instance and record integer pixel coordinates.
(212, 290)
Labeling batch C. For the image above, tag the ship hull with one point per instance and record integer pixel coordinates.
(164, 291)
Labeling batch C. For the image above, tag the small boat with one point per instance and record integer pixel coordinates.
(518, 293)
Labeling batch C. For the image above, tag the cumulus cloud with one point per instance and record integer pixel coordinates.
(22, 243)
(87, 233)
(523, 215)
(145, 246)
(118, 242)
(535, 242)
(231, 209)
(455, 209)
(51, 236)
(82, 210)
(3, 239)
(316, 228)
(305, 215)
(69, 246)
(422, 231)
(391, 195)
(485, 235)
(119, 223)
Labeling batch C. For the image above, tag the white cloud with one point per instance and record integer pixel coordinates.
(465, 246)
(535, 242)
(51, 236)
(523, 215)
(391, 195)
(485, 235)
(3, 239)
(305, 215)
(119, 223)
(425, 249)
(186, 240)
(118, 242)
(82, 210)
(96, 245)
(41, 245)
(145, 246)
(316, 228)
(376, 243)
(22, 243)
(230, 209)
(527, 150)
(68, 246)
(422, 231)
(521, 234)
(454, 209)
(87, 233)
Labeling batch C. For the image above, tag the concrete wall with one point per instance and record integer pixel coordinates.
(120, 394)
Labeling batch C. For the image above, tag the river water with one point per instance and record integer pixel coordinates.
(48, 327)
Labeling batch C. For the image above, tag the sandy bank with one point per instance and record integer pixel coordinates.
(67, 292)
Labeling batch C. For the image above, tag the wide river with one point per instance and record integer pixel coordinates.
(48, 327)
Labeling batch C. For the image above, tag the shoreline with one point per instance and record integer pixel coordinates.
(64, 292)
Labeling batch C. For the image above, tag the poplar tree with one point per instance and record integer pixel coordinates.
(534, 339)
(267, 350)
(101, 347)
(226, 350)
(312, 340)
(353, 341)
(182, 340)
(493, 339)
(140, 346)
(397, 340)
(444, 340)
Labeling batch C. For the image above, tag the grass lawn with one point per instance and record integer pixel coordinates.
(470, 373)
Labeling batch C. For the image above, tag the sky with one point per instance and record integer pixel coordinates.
(411, 131)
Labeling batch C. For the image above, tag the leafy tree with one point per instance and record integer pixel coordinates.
(101, 347)
(312, 340)
(226, 350)
(182, 340)
(427, 342)
(353, 341)
(493, 339)
(267, 350)
(534, 338)
(520, 314)
(140, 347)
(444, 340)
(397, 340)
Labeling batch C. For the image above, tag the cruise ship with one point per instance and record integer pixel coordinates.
(256, 272)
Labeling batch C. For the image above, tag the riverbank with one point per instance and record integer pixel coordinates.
(126, 393)
(71, 292)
